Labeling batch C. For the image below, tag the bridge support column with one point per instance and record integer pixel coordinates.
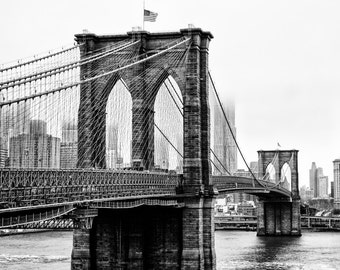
(296, 218)
(261, 228)
(192, 252)
(198, 234)
(280, 215)
(81, 252)
(138, 238)
(278, 218)
(209, 234)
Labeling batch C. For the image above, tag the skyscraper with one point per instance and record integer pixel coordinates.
(14, 120)
(69, 145)
(323, 187)
(315, 174)
(222, 142)
(336, 169)
(37, 149)
(312, 179)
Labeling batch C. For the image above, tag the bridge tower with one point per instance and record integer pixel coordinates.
(279, 215)
(149, 237)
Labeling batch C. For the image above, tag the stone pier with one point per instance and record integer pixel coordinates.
(278, 216)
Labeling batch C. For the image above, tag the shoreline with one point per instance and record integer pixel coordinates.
(11, 232)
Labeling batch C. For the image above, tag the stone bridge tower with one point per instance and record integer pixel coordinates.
(185, 235)
(279, 215)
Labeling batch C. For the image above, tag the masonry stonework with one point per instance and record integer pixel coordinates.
(151, 237)
(279, 215)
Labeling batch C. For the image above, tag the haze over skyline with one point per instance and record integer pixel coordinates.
(279, 59)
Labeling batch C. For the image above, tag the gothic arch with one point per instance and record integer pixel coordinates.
(118, 126)
(286, 176)
(187, 64)
(168, 119)
(283, 157)
(270, 174)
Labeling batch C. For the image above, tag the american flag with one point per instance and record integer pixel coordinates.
(150, 16)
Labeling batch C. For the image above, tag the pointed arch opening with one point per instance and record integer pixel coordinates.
(270, 173)
(118, 127)
(168, 127)
(286, 176)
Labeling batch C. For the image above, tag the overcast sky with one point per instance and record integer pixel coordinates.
(280, 59)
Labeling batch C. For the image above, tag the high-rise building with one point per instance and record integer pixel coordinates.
(332, 189)
(14, 119)
(336, 169)
(231, 145)
(315, 174)
(36, 149)
(69, 132)
(69, 146)
(224, 154)
(323, 187)
(68, 155)
(313, 179)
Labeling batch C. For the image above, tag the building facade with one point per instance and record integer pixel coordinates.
(69, 146)
(224, 154)
(306, 193)
(313, 179)
(336, 170)
(323, 187)
(37, 149)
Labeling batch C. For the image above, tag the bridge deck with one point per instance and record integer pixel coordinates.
(30, 195)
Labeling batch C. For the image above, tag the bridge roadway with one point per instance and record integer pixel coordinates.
(34, 195)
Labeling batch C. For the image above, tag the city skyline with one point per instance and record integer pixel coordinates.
(269, 55)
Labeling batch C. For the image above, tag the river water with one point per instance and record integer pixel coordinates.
(234, 250)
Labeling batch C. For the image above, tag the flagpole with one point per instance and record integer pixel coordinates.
(143, 13)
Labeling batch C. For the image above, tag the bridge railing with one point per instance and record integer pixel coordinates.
(29, 187)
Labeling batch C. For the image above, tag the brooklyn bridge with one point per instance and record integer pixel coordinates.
(119, 137)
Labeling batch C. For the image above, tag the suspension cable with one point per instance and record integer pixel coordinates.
(230, 129)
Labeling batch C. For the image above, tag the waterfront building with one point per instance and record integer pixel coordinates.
(246, 208)
(336, 170)
(306, 193)
(37, 149)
